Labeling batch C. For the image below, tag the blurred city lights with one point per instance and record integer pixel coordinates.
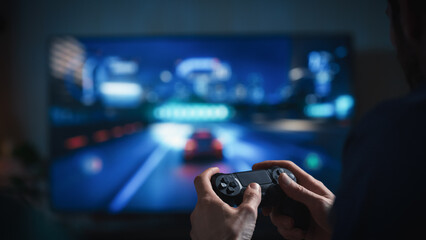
(319, 110)
(294, 125)
(76, 142)
(121, 67)
(120, 94)
(166, 76)
(117, 131)
(216, 69)
(172, 134)
(92, 165)
(323, 77)
(296, 74)
(121, 89)
(228, 136)
(67, 56)
(344, 104)
(313, 162)
(319, 61)
(198, 112)
(88, 91)
(101, 136)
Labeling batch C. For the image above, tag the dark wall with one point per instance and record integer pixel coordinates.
(23, 88)
(8, 124)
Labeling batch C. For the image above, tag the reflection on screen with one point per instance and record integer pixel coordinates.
(134, 120)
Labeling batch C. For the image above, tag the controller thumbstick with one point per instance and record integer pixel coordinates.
(276, 173)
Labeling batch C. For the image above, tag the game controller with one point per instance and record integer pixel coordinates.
(230, 188)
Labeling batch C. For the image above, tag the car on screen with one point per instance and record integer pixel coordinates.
(203, 146)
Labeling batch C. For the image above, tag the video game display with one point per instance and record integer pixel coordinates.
(134, 120)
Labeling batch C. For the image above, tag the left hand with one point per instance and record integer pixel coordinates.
(214, 219)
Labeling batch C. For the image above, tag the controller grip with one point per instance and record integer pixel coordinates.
(289, 207)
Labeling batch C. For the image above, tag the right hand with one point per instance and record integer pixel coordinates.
(309, 191)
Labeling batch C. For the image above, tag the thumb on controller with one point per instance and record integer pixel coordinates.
(251, 199)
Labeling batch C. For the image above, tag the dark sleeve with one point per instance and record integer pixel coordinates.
(384, 158)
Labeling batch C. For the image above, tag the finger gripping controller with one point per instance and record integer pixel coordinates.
(230, 188)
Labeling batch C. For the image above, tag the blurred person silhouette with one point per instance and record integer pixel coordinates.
(382, 194)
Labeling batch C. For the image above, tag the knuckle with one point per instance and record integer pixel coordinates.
(248, 209)
(320, 184)
(197, 180)
(319, 204)
(251, 195)
(310, 179)
(206, 201)
(299, 188)
(297, 192)
(289, 164)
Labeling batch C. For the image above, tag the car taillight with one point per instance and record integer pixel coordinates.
(191, 145)
(216, 145)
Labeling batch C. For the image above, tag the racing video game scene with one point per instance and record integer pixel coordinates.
(133, 120)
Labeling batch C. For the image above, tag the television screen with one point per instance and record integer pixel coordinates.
(134, 119)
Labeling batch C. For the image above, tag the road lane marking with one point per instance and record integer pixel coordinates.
(138, 179)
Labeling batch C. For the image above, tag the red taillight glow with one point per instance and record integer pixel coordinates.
(101, 136)
(191, 145)
(137, 125)
(129, 128)
(217, 145)
(76, 142)
(117, 132)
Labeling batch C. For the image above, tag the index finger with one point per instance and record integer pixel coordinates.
(300, 174)
(202, 182)
(303, 178)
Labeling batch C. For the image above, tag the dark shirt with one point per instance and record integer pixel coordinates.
(383, 186)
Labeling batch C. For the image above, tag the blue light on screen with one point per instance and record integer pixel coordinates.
(137, 103)
(199, 112)
(120, 94)
(319, 110)
(343, 106)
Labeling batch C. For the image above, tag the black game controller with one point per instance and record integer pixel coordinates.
(230, 188)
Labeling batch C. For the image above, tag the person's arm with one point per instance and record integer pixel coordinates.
(309, 191)
(214, 219)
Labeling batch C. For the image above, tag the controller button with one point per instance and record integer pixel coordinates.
(226, 179)
(222, 185)
(232, 184)
(230, 190)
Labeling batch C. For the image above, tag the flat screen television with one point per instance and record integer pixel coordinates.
(134, 119)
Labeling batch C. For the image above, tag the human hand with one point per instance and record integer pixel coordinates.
(214, 219)
(309, 191)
